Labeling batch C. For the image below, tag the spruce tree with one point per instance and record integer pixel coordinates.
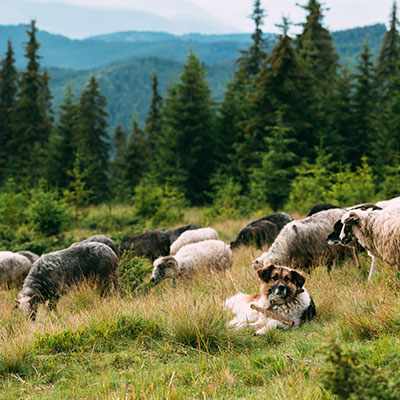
(135, 160)
(31, 122)
(94, 139)
(186, 154)
(252, 59)
(270, 183)
(64, 142)
(315, 43)
(8, 93)
(117, 166)
(363, 99)
(154, 117)
(389, 56)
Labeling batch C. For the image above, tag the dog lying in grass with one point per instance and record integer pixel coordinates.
(282, 295)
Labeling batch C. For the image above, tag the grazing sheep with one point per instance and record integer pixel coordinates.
(321, 207)
(302, 242)
(175, 233)
(14, 268)
(378, 231)
(261, 231)
(152, 244)
(257, 234)
(100, 239)
(207, 254)
(194, 236)
(53, 273)
(32, 257)
(280, 219)
(389, 203)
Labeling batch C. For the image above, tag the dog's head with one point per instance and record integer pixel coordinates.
(164, 267)
(280, 284)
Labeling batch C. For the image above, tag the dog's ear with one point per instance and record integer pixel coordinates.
(351, 219)
(298, 278)
(265, 273)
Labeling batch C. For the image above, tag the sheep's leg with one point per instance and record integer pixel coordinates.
(373, 268)
(174, 283)
(53, 303)
(355, 256)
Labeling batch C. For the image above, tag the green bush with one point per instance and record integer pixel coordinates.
(162, 205)
(134, 273)
(47, 212)
(349, 377)
(227, 200)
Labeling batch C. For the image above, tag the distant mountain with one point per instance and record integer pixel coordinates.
(98, 51)
(126, 84)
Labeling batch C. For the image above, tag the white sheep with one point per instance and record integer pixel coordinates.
(206, 254)
(14, 268)
(378, 231)
(195, 236)
(302, 243)
(395, 202)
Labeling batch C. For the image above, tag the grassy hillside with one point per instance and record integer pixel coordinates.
(168, 343)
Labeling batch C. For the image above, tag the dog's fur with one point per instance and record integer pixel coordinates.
(282, 292)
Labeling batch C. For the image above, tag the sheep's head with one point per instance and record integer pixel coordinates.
(164, 267)
(27, 305)
(350, 219)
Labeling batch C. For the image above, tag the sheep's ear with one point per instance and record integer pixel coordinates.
(297, 278)
(265, 273)
(352, 219)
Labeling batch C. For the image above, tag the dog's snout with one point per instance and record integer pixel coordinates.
(281, 288)
(152, 280)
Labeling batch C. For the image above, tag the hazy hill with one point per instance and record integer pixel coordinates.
(126, 84)
(60, 51)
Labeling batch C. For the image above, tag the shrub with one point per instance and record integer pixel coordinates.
(350, 377)
(162, 205)
(134, 273)
(49, 214)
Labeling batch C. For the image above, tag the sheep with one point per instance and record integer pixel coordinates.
(261, 231)
(258, 234)
(100, 239)
(152, 244)
(280, 219)
(14, 268)
(54, 272)
(321, 207)
(395, 202)
(302, 242)
(32, 257)
(206, 254)
(378, 231)
(193, 236)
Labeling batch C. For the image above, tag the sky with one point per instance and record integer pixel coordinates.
(216, 16)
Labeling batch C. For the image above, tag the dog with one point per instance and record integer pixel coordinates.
(282, 293)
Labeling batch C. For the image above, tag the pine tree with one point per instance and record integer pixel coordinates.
(94, 139)
(358, 142)
(135, 160)
(31, 121)
(8, 93)
(270, 183)
(186, 151)
(64, 142)
(252, 59)
(389, 56)
(315, 43)
(118, 164)
(154, 116)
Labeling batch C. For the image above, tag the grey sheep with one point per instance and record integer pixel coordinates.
(32, 257)
(14, 268)
(302, 243)
(53, 273)
(100, 239)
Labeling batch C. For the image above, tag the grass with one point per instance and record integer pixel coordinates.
(166, 343)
